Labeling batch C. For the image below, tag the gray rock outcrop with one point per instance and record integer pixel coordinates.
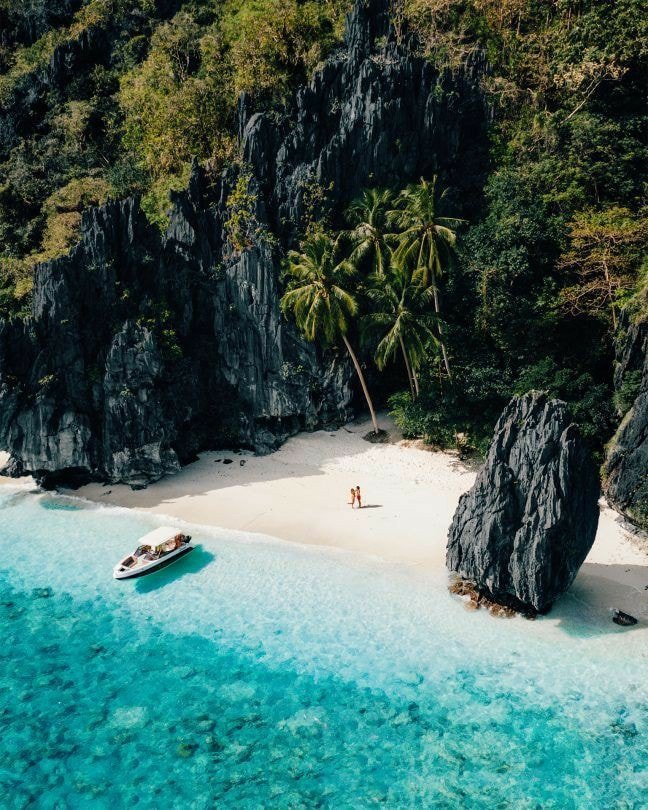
(143, 348)
(524, 529)
(626, 466)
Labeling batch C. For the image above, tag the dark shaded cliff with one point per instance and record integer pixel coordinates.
(142, 349)
(626, 466)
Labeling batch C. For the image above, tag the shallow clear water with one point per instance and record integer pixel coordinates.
(258, 674)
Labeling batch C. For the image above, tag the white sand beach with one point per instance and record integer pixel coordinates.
(300, 494)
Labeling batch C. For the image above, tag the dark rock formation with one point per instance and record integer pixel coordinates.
(24, 23)
(623, 619)
(524, 529)
(143, 349)
(626, 467)
(375, 115)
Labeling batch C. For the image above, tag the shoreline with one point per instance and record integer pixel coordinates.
(300, 494)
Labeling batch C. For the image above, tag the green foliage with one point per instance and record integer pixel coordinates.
(275, 44)
(604, 254)
(557, 247)
(177, 104)
(628, 391)
(368, 217)
(589, 402)
(241, 225)
(415, 420)
(316, 206)
(317, 295)
(158, 318)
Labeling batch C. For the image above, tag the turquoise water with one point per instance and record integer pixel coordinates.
(258, 674)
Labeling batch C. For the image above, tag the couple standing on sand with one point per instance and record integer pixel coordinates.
(356, 496)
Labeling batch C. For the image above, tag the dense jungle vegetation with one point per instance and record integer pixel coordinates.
(529, 292)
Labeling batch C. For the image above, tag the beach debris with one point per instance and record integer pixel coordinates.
(379, 437)
(622, 619)
(538, 483)
(228, 461)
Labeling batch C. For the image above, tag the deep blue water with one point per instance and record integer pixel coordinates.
(256, 674)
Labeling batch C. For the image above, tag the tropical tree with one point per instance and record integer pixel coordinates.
(400, 318)
(605, 252)
(319, 299)
(368, 217)
(425, 241)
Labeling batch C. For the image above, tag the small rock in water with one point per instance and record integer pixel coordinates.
(242, 462)
(623, 619)
(186, 750)
(228, 461)
(42, 593)
(217, 460)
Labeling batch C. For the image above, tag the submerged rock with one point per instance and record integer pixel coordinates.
(626, 466)
(524, 529)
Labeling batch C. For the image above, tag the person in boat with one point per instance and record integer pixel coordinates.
(358, 497)
(178, 541)
(353, 497)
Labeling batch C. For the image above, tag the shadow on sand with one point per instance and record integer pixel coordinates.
(189, 564)
(585, 609)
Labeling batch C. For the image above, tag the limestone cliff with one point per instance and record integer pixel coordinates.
(143, 348)
(626, 466)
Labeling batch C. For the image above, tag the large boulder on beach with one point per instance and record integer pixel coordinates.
(524, 529)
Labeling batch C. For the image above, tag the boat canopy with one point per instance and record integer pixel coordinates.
(159, 536)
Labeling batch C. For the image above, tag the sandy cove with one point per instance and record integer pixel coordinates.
(301, 494)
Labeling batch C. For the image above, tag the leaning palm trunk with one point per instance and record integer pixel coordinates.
(410, 377)
(362, 383)
(441, 343)
(416, 382)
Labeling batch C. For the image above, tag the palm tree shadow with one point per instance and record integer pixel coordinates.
(189, 564)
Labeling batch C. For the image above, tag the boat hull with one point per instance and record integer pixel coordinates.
(151, 569)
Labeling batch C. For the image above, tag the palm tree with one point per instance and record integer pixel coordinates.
(425, 242)
(399, 316)
(368, 217)
(319, 300)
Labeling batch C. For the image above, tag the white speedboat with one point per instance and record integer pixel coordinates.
(155, 550)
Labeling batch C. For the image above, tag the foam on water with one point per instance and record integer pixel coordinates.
(255, 673)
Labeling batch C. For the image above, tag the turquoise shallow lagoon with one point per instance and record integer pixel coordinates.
(254, 674)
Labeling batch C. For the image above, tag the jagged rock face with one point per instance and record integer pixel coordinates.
(626, 466)
(144, 348)
(377, 114)
(26, 22)
(524, 529)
